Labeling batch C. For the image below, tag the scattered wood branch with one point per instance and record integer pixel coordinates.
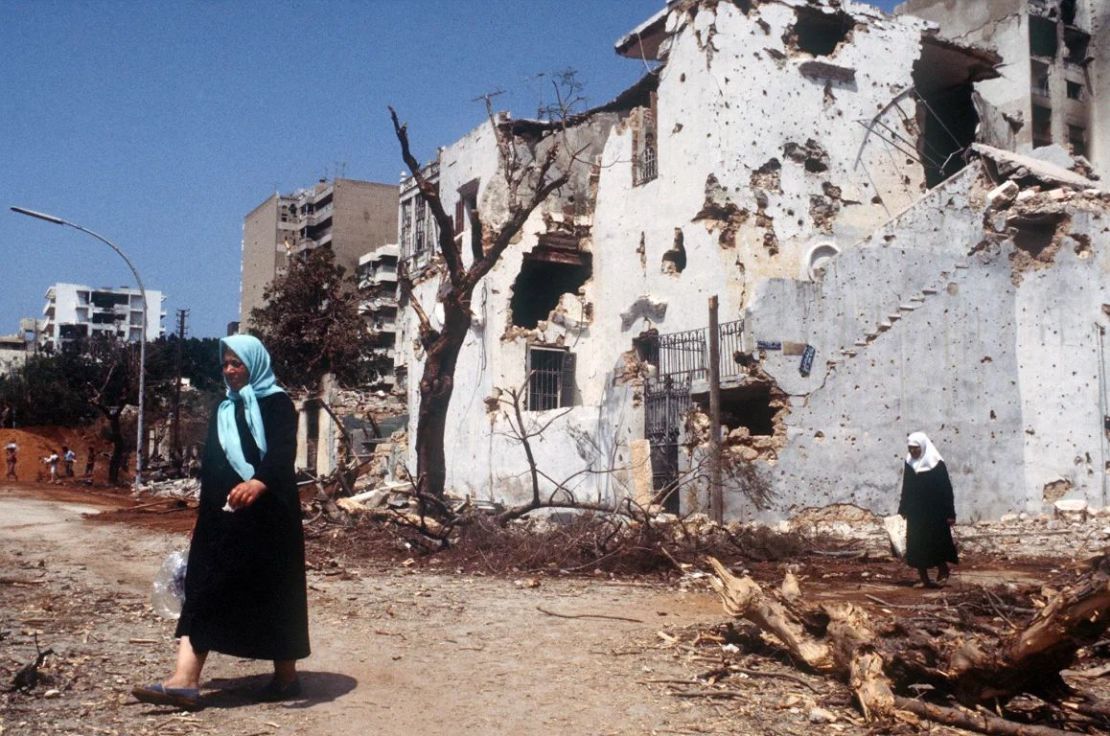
(974, 721)
(541, 609)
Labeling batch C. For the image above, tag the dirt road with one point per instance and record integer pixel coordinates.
(394, 652)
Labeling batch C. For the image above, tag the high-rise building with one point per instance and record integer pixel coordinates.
(1054, 83)
(351, 217)
(74, 311)
(377, 284)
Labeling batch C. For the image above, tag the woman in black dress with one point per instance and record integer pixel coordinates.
(245, 583)
(928, 507)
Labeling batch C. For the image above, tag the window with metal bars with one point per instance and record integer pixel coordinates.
(645, 151)
(550, 378)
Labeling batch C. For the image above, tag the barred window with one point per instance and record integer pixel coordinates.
(550, 378)
(648, 160)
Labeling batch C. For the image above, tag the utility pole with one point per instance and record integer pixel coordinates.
(716, 496)
(182, 314)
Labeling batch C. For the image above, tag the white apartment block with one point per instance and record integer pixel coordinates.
(76, 311)
(377, 285)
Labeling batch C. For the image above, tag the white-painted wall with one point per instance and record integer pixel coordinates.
(726, 114)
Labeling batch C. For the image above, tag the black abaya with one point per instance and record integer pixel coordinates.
(245, 583)
(927, 504)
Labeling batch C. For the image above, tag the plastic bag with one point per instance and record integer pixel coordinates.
(896, 529)
(168, 590)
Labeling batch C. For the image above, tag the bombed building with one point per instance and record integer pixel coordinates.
(880, 264)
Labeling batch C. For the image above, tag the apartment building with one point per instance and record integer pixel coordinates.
(349, 216)
(377, 285)
(1054, 83)
(73, 312)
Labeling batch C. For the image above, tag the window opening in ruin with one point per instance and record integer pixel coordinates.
(1067, 11)
(747, 406)
(819, 33)
(1075, 90)
(1042, 37)
(1077, 139)
(553, 268)
(1039, 78)
(674, 259)
(1042, 126)
(466, 203)
(550, 378)
(949, 121)
(645, 150)
(1076, 42)
(647, 347)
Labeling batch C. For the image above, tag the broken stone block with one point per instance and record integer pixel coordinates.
(1003, 195)
(1071, 509)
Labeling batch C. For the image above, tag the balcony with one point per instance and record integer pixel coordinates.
(321, 214)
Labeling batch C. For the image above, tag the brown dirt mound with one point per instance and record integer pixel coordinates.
(35, 443)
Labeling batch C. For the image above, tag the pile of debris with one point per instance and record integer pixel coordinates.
(185, 489)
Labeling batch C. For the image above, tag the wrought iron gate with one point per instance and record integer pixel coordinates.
(681, 359)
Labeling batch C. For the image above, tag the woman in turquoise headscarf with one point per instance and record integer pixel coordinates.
(245, 583)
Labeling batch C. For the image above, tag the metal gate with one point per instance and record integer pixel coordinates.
(665, 405)
(681, 359)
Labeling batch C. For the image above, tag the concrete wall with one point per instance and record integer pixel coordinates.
(364, 219)
(261, 249)
(1001, 369)
(1099, 13)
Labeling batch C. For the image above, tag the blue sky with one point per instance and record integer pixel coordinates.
(160, 125)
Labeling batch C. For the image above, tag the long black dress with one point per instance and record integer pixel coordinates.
(927, 504)
(245, 583)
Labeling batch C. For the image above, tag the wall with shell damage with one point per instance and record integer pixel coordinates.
(981, 324)
(761, 163)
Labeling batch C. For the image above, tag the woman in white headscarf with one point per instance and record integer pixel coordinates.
(929, 509)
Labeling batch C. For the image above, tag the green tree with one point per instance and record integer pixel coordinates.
(49, 390)
(312, 327)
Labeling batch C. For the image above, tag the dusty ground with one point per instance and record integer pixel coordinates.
(401, 650)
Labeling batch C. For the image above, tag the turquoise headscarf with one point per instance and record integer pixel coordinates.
(250, 350)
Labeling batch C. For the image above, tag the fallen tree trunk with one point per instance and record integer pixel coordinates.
(879, 661)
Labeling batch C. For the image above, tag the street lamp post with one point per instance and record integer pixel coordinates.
(142, 336)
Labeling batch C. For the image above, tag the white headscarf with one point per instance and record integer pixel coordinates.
(929, 455)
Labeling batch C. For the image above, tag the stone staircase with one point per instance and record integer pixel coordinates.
(935, 289)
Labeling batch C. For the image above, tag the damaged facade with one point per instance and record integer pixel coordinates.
(807, 164)
(1054, 87)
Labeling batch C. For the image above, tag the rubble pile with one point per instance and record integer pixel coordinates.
(1073, 530)
(180, 488)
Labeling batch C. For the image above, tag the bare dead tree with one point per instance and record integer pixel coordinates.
(561, 496)
(528, 182)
